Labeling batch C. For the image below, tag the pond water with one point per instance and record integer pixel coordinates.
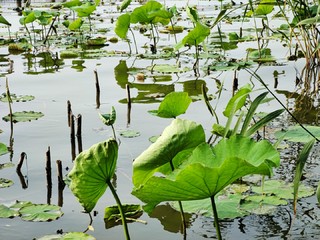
(74, 80)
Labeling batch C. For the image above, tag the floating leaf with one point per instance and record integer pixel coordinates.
(4, 183)
(207, 171)
(40, 212)
(298, 134)
(282, 190)
(173, 105)
(15, 98)
(112, 215)
(6, 165)
(3, 149)
(168, 68)
(23, 116)
(6, 212)
(129, 133)
(92, 170)
(68, 236)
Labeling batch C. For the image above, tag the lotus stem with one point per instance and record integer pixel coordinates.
(216, 219)
(123, 217)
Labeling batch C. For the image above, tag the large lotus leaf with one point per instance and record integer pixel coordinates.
(92, 170)
(142, 14)
(84, 10)
(206, 172)
(23, 116)
(180, 135)
(40, 212)
(174, 104)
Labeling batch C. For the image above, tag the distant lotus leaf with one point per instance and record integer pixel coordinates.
(71, 3)
(6, 212)
(143, 14)
(91, 171)
(19, 204)
(124, 5)
(40, 212)
(180, 135)
(97, 41)
(173, 105)
(195, 36)
(4, 21)
(68, 236)
(207, 171)
(298, 134)
(265, 7)
(168, 68)
(23, 116)
(3, 149)
(6, 165)
(129, 133)
(75, 25)
(4, 183)
(282, 189)
(85, 9)
(16, 98)
(112, 216)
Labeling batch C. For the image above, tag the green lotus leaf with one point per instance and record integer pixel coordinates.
(112, 215)
(92, 170)
(6, 212)
(124, 5)
(265, 7)
(179, 136)
(19, 204)
(4, 183)
(122, 25)
(109, 118)
(173, 105)
(168, 68)
(40, 212)
(298, 134)
(25, 116)
(68, 236)
(207, 171)
(84, 10)
(3, 149)
(6, 165)
(282, 189)
(4, 21)
(142, 14)
(16, 98)
(71, 3)
(129, 133)
(195, 36)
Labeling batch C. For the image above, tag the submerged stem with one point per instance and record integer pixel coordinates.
(216, 219)
(123, 217)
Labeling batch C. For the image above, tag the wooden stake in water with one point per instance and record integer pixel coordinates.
(97, 89)
(69, 112)
(129, 104)
(61, 183)
(79, 135)
(49, 176)
(72, 138)
(24, 184)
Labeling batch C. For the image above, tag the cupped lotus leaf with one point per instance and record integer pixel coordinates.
(6, 212)
(109, 118)
(180, 135)
(142, 14)
(195, 36)
(122, 25)
(4, 183)
(173, 105)
(25, 116)
(3, 149)
(298, 134)
(207, 171)
(84, 10)
(40, 212)
(92, 170)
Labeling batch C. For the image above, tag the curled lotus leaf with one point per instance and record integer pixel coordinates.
(92, 170)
